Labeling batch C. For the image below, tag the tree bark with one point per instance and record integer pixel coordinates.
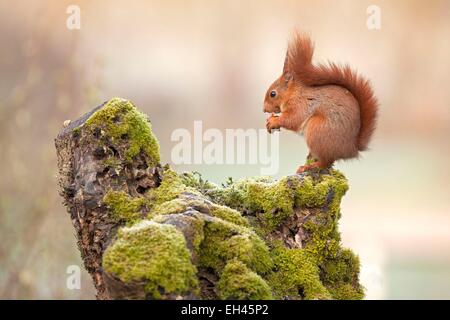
(84, 180)
(300, 212)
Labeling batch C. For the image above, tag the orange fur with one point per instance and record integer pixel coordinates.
(299, 58)
(332, 105)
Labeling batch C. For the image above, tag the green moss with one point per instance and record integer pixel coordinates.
(296, 275)
(170, 188)
(76, 131)
(123, 207)
(273, 202)
(187, 220)
(323, 227)
(113, 162)
(239, 282)
(182, 204)
(196, 181)
(225, 241)
(342, 268)
(346, 291)
(274, 199)
(229, 215)
(198, 234)
(154, 253)
(324, 239)
(310, 193)
(192, 226)
(176, 205)
(341, 275)
(119, 119)
(310, 160)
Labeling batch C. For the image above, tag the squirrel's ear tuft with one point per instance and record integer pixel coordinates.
(299, 53)
(286, 63)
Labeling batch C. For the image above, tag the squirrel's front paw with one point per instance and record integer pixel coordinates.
(272, 123)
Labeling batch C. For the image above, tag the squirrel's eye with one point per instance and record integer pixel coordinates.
(273, 93)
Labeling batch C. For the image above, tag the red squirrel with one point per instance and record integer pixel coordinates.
(331, 105)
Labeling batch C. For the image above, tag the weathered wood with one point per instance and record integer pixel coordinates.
(279, 238)
(84, 180)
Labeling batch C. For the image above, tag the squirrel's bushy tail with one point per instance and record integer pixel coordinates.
(299, 62)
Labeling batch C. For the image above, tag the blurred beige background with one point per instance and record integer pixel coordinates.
(206, 60)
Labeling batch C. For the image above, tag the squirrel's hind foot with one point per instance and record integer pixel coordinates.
(315, 165)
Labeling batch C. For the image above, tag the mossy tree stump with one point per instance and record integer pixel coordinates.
(146, 232)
